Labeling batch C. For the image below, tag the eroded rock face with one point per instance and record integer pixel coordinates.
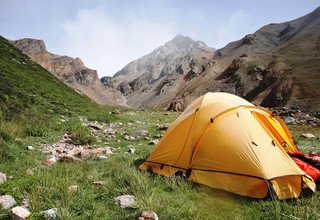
(71, 71)
(155, 79)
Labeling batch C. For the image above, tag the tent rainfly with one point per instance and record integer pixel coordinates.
(225, 142)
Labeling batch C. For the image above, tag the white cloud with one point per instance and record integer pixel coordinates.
(108, 45)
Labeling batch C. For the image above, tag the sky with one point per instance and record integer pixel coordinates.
(108, 34)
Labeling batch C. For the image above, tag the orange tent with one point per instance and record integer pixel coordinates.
(225, 142)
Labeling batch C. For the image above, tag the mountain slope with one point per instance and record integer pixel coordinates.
(278, 65)
(27, 88)
(153, 79)
(71, 71)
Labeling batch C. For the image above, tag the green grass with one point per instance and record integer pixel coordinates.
(170, 198)
(37, 109)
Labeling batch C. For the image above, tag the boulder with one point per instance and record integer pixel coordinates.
(125, 201)
(50, 213)
(86, 154)
(7, 201)
(141, 133)
(3, 178)
(308, 135)
(72, 188)
(289, 120)
(148, 215)
(30, 148)
(128, 138)
(96, 126)
(19, 213)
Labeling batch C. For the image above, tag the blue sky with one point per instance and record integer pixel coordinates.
(108, 34)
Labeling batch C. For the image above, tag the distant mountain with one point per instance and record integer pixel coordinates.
(278, 65)
(153, 80)
(71, 71)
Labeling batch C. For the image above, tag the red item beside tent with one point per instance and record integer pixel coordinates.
(308, 169)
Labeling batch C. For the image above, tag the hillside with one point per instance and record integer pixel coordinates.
(278, 65)
(71, 71)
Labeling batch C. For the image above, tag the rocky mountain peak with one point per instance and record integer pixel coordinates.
(181, 42)
(29, 45)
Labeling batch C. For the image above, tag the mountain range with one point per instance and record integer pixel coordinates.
(278, 65)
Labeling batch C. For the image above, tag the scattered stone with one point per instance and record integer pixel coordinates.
(7, 201)
(30, 148)
(116, 112)
(69, 158)
(125, 201)
(19, 213)
(74, 151)
(154, 142)
(26, 204)
(100, 183)
(51, 161)
(308, 135)
(148, 215)
(126, 154)
(110, 131)
(59, 149)
(132, 151)
(141, 133)
(86, 154)
(72, 188)
(50, 213)
(128, 138)
(29, 172)
(289, 120)
(163, 127)
(3, 178)
(102, 157)
(157, 136)
(96, 126)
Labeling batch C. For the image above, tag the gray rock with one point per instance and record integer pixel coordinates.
(125, 201)
(3, 178)
(50, 213)
(19, 213)
(7, 201)
(289, 120)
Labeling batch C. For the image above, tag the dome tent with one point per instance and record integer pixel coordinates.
(225, 142)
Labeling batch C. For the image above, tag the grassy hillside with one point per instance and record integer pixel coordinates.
(37, 109)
